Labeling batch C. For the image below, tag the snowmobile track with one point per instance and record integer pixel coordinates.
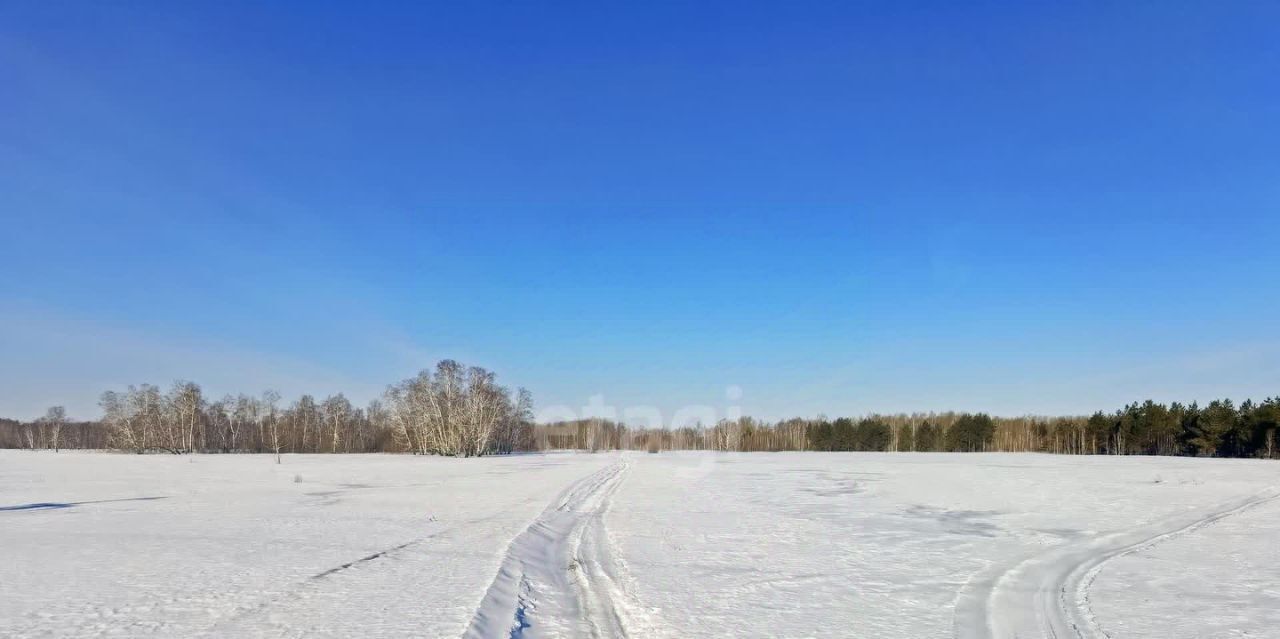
(1047, 595)
(551, 581)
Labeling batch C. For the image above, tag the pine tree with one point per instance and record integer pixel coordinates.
(1098, 432)
(970, 433)
(843, 434)
(871, 435)
(927, 437)
(1212, 426)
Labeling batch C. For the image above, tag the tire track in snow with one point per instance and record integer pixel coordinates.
(557, 578)
(1047, 595)
(604, 582)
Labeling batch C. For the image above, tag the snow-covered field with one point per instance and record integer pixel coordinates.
(665, 545)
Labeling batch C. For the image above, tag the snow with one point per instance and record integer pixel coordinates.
(1235, 595)
(235, 547)
(644, 545)
(909, 545)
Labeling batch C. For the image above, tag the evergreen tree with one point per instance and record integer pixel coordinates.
(1266, 427)
(906, 438)
(871, 435)
(970, 433)
(927, 437)
(1160, 430)
(1212, 427)
(1129, 430)
(820, 436)
(1098, 432)
(1238, 442)
(1190, 417)
(843, 434)
(1178, 415)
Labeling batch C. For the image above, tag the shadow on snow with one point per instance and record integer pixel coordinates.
(53, 505)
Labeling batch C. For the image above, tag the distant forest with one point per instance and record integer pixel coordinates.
(1219, 429)
(461, 411)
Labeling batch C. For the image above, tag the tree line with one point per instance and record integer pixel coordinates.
(1218, 429)
(453, 410)
(462, 411)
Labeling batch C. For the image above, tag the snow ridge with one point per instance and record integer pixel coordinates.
(558, 577)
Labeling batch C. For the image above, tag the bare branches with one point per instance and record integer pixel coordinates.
(456, 411)
(450, 410)
(133, 417)
(337, 413)
(50, 427)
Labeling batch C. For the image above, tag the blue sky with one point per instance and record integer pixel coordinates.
(837, 208)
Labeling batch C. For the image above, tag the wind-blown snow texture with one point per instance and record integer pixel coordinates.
(610, 545)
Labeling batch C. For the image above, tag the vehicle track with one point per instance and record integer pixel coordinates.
(557, 578)
(604, 583)
(1047, 595)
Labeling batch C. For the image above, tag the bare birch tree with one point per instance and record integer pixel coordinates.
(186, 405)
(454, 411)
(53, 421)
(337, 413)
(269, 400)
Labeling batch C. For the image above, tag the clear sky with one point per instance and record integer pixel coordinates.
(835, 207)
